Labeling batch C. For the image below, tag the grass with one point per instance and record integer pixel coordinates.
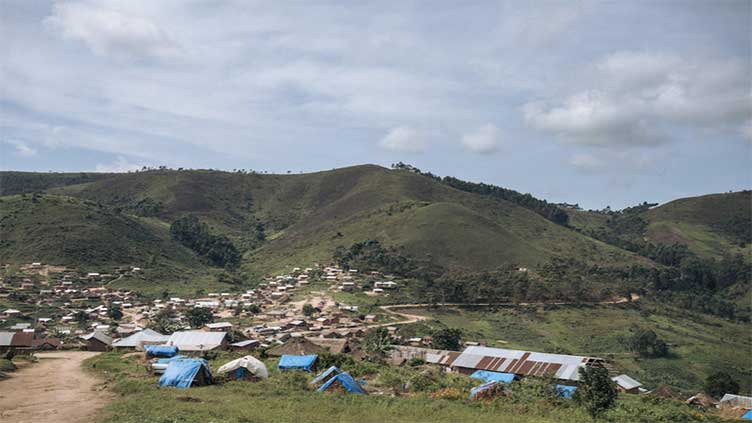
(287, 397)
(699, 344)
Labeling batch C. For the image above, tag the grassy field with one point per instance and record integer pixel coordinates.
(699, 344)
(287, 397)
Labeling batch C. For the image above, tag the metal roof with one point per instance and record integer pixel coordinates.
(559, 366)
(6, 338)
(196, 340)
(737, 401)
(146, 335)
(626, 382)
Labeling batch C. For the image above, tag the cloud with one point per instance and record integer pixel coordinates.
(22, 149)
(120, 165)
(483, 140)
(405, 140)
(638, 98)
(586, 162)
(111, 33)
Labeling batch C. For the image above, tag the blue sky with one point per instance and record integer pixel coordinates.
(599, 103)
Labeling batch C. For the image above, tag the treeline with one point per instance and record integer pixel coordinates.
(218, 250)
(12, 183)
(371, 255)
(548, 210)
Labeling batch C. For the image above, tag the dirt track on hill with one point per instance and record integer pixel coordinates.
(54, 390)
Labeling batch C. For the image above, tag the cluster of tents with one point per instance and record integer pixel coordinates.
(183, 372)
(494, 382)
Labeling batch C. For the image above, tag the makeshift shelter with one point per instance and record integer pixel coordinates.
(245, 368)
(565, 391)
(161, 350)
(298, 362)
(736, 401)
(296, 346)
(487, 390)
(161, 364)
(325, 375)
(248, 344)
(345, 382)
(747, 415)
(185, 373)
(194, 340)
(701, 399)
(488, 376)
(142, 337)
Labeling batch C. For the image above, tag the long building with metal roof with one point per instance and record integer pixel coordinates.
(523, 363)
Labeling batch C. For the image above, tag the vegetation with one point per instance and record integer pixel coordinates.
(721, 383)
(377, 343)
(218, 249)
(199, 316)
(596, 391)
(646, 343)
(447, 339)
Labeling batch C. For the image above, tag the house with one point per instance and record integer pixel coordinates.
(626, 384)
(188, 341)
(141, 338)
(736, 401)
(385, 285)
(16, 341)
(218, 327)
(523, 363)
(97, 341)
(248, 344)
(45, 344)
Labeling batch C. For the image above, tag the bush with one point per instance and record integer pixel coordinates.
(720, 383)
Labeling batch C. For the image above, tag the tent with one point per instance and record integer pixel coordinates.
(565, 391)
(747, 415)
(325, 375)
(185, 373)
(245, 367)
(145, 336)
(488, 376)
(346, 382)
(161, 364)
(297, 362)
(160, 350)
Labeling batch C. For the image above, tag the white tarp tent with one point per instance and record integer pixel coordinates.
(250, 363)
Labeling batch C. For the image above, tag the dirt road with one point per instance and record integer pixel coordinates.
(54, 390)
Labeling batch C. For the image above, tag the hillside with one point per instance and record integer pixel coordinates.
(282, 221)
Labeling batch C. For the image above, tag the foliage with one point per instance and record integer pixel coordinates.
(114, 312)
(447, 339)
(81, 317)
(217, 249)
(377, 343)
(308, 309)
(165, 322)
(199, 316)
(596, 392)
(720, 383)
(646, 343)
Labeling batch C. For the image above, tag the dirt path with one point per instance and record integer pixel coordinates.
(54, 390)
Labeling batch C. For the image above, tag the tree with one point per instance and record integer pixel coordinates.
(646, 343)
(114, 312)
(81, 317)
(199, 316)
(308, 309)
(597, 392)
(720, 383)
(165, 322)
(377, 343)
(447, 339)
(254, 309)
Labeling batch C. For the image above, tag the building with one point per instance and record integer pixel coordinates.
(196, 341)
(523, 363)
(218, 327)
(97, 341)
(626, 384)
(141, 338)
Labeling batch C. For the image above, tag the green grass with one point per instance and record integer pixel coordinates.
(699, 344)
(286, 397)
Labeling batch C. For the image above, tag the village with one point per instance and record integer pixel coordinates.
(292, 318)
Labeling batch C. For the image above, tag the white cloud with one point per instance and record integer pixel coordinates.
(482, 140)
(405, 140)
(22, 149)
(120, 165)
(586, 162)
(112, 33)
(637, 98)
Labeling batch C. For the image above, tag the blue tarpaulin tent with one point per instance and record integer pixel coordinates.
(565, 391)
(297, 362)
(325, 375)
(346, 381)
(183, 373)
(486, 387)
(168, 360)
(160, 350)
(488, 376)
(747, 415)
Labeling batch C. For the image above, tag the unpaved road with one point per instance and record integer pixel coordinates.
(54, 390)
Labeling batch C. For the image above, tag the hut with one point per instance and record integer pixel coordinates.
(296, 346)
(97, 341)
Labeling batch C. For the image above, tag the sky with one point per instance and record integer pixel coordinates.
(607, 103)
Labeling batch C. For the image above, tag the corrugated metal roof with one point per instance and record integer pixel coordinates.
(146, 335)
(6, 338)
(736, 401)
(22, 339)
(626, 382)
(560, 366)
(196, 340)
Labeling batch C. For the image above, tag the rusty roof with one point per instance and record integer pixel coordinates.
(22, 339)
